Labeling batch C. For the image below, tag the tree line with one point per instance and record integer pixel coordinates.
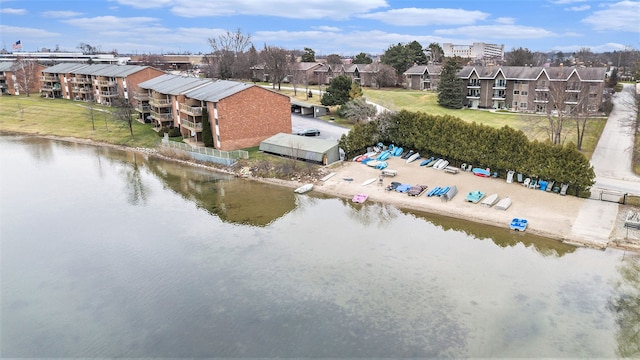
(482, 146)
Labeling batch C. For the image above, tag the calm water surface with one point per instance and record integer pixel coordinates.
(106, 253)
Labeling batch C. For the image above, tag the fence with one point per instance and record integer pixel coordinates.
(206, 154)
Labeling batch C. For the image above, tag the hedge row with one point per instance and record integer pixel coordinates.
(460, 142)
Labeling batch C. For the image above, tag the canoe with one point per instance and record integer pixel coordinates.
(366, 160)
(503, 204)
(368, 181)
(373, 163)
(403, 188)
(442, 191)
(481, 172)
(490, 200)
(405, 155)
(381, 165)
(434, 191)
(413, 157)
(398, 151)
(384, 155)
(304, 188)
(474, 196)
(442, 165)
(359, 198)
(433, 162)
(427, 161)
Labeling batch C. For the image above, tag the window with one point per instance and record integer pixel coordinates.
(524, 93)
(523, 105)
(516, 92)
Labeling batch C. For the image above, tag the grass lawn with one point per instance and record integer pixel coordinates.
(61, 117)
(532, 125)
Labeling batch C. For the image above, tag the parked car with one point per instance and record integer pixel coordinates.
(308, 132)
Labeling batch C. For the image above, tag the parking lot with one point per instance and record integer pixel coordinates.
(328, 131)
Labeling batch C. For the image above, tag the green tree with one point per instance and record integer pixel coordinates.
(398, 57)
(519, 57)
(362, 58)
(357, 110)
(450, 88)
(355, 91)
(337, 92)
(613, 79)
(207, 134)
(416, 51)
(309, 55)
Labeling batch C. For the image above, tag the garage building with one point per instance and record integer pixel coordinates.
(301, 147)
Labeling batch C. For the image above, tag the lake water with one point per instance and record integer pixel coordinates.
(106, 253)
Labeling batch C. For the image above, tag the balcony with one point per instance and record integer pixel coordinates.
(572, 90)
(191, 110)
(161, 116)
(107, 83)
(143, 108)
(159, 102)
(473, 85)
(499, 96)
(542, 88)
(81, 81)
(82, 90)
(109, 93)
(500, 85)
(49, 78)
(541, 101)
(196, 126)
(141, 95)
(473, 96)
(2, 77)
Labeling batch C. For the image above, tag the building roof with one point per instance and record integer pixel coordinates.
(297, 142)
(64, 68)
(109, 70)
(533, 72)
(173, 84)
(217, 90)
(422, 69)
(6, 65)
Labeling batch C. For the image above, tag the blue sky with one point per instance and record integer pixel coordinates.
(344, 27)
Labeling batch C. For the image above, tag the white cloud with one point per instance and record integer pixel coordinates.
(145, 4)
(594, 48)
(564, 2)
(505, 20)
(326, 28)
(621, 16)
(102, 23)
(308, 9)
(60, 14)
(578, 8)
(13, 11)
(25, 32)
(422, 17)
(499, 32)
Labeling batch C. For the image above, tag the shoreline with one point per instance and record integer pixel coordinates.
(549, 214)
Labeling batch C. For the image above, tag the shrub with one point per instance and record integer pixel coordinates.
(174, 132)
(162, 131)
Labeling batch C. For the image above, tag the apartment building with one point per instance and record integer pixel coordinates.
(423, 77)
(241, 115)
(94, 82)
(534, 89)
(18, 77)
(476, 51)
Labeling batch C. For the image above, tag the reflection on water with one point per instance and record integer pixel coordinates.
(133, 256)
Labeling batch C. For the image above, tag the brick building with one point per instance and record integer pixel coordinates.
(97, 82)
(241, 115)
(16, 77)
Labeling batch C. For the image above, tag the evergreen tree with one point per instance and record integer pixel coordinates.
(337, 92)
(450, 88)
(355, 91)
(309, 55)
(362, 58)
(207, 134)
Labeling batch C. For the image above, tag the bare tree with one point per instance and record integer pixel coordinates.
(26, 71)
(123, 111)
(556, 111)
(228, 51)
(91, 113)
(276, 63)
(384, 75)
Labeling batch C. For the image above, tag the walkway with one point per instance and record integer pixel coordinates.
(611, 161)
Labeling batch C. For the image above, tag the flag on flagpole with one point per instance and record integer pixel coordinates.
(17, 45)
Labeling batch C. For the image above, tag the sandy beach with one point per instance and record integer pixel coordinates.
(548, 214)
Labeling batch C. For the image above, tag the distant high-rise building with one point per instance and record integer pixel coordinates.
(477, 51)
